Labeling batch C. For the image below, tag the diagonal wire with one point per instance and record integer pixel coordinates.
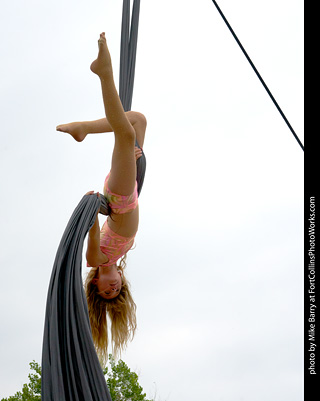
(259, 76)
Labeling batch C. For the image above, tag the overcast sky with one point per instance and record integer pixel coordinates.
(217, 270)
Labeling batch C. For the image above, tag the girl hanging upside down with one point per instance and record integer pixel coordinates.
(107, 289)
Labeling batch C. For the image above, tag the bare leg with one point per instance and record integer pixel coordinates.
(80, 129)
(123, 167)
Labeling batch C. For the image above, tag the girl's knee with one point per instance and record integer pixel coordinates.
(136, 117)
(141, 118)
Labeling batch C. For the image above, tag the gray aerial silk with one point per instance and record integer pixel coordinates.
(70, 367)
(129, 40)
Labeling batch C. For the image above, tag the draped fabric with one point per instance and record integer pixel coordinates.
(129, 39)
(70, 367)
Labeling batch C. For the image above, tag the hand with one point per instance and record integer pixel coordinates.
(92, 193)
(137, 152)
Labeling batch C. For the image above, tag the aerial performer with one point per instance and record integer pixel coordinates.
(106, 287)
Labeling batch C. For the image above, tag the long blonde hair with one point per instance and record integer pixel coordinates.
(121, 311)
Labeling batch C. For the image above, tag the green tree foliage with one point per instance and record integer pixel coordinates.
(32, 390)
(122, 383)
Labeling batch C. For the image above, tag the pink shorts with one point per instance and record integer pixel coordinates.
(120, 204)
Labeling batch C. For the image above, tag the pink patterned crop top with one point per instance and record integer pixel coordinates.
(114, 245)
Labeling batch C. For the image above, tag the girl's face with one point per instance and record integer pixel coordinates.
(108, 282)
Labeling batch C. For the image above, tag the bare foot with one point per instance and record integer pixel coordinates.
(76, 130)
(102, 65)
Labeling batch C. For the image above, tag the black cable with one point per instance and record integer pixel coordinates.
(259, 76)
